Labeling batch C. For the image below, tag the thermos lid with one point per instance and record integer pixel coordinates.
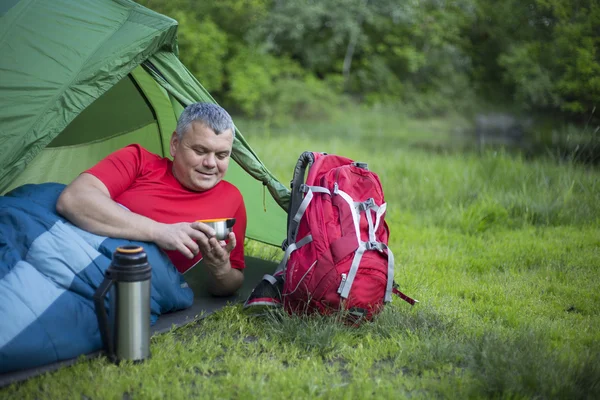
(129, 264)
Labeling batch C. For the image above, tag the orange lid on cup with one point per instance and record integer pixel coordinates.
(213, 220)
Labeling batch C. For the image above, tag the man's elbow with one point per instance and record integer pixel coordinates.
(62, 204)
(221, 292)
(227, 288)
(67, 203)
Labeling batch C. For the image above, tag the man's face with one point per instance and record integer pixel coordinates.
(201, 157)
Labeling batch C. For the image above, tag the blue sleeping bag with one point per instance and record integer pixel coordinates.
(49, 271)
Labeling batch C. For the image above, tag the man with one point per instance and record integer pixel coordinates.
(134, 194)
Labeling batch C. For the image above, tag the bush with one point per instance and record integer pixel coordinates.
(278, 89)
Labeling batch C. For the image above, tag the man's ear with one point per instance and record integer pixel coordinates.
(173, 144)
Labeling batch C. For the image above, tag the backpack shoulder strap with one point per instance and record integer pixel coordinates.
(305, 160)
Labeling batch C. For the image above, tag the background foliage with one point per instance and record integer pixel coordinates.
(270, 58)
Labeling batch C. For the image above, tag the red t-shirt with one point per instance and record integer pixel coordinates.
(144, 183)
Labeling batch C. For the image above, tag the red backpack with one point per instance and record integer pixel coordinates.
(336, 254)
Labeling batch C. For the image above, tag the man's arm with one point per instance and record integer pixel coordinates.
(225, 282)
(86, 202)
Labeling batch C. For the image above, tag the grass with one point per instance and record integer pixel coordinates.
(502, 252)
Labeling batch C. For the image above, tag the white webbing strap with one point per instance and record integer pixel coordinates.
(353, 269)
(390, 282)
(302, 209)
(309, 190)
(355, 215)
(294, 246)
(380, 212)
(373, 244)
(270, 278)
(370, 221)
(367, 206)
(316, 189)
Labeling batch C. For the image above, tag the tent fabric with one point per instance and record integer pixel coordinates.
(58, 56)
(79, 79)
(92, 124)
(160, 102)
(74, 159)
(117, 118)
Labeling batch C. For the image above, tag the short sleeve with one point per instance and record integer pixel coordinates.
(119, 169)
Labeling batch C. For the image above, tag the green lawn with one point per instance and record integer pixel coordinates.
(503, 254)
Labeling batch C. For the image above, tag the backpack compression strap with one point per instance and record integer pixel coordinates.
(404, 297)
(368, 206)
(372, 244)
(288, 251)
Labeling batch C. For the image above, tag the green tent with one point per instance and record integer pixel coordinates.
(82, 78)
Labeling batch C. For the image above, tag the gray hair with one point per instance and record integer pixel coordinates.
(212, 115)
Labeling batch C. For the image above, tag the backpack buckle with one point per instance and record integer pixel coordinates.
(365, 205)
(372, 246)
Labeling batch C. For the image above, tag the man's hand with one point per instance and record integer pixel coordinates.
(191, 238)
(225, 280)
(216, 253)
(187, 238)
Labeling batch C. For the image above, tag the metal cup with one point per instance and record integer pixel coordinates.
(222, 226)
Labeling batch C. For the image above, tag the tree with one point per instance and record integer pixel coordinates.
(209, 34)
(545, 54)
(432, 55)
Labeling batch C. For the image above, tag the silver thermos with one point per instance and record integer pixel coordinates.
(125, 329)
